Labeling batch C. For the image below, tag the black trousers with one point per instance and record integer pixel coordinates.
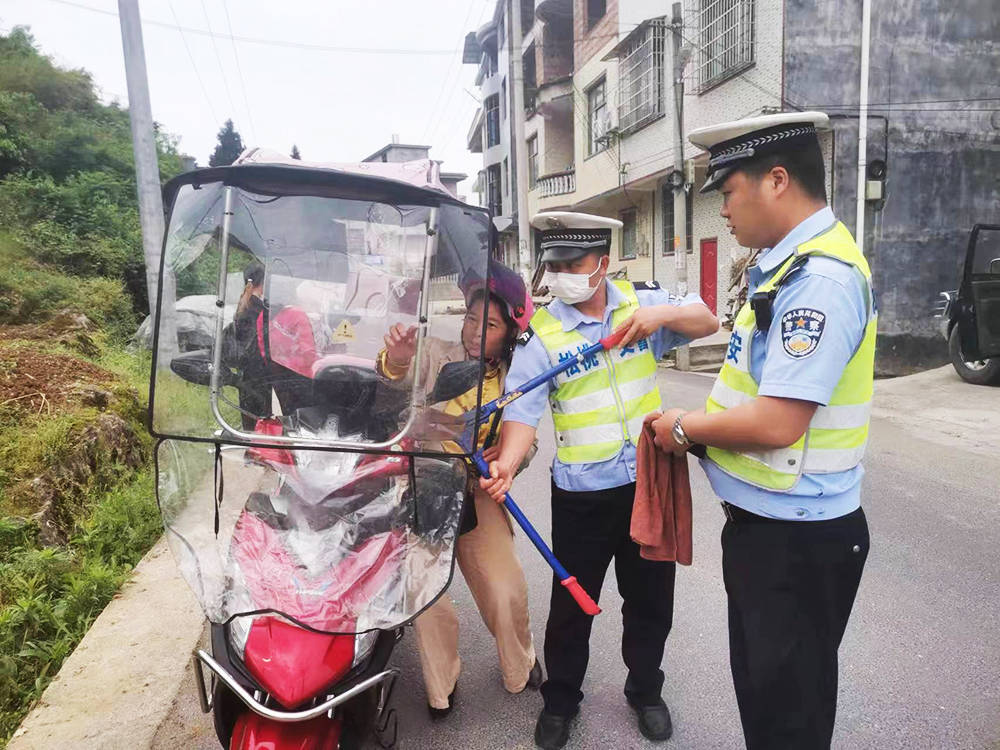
(589, 530)
(791, 586)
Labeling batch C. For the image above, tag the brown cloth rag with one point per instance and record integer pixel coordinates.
(661, 515)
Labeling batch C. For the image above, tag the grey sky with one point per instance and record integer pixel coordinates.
(336, 106)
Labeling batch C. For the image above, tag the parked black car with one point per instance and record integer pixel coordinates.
(970, 315)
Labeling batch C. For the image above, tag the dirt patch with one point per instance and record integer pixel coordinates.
(73, 330)
(39, 382)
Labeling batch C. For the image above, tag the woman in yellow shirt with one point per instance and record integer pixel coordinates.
(486, 554)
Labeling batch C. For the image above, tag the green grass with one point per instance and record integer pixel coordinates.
(31, 291)
(50, 597)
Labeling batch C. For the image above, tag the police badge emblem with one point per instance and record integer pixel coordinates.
(801, 330)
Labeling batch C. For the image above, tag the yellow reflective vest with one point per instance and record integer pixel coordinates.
(836, 437)
(600, 403)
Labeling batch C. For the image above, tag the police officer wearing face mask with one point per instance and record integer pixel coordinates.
(597, 410)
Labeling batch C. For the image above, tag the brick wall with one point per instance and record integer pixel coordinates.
(590, 40)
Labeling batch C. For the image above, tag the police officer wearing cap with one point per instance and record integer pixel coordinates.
(786, 426)
(597, 410)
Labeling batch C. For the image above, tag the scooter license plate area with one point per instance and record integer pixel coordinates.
(254, 732)
(277, 297)
(369, 547)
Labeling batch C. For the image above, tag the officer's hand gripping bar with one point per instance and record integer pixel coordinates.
(574, 588)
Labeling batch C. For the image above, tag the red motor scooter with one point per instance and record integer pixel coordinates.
(300, 497)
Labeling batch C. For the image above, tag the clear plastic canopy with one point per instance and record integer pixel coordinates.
(291, 477)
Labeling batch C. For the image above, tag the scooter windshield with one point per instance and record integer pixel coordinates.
(306, 280)
(294, 475)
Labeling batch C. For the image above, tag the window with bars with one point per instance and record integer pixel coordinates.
(630, 235)
(725, 40)
(669, 227)
(532, 161)
(641, 78)
(598, 117)
(492, 120)
(494, 198)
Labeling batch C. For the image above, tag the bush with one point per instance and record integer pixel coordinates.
(32, 292)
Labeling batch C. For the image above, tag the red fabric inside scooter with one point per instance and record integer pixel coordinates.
(291, 340)
(278, 581)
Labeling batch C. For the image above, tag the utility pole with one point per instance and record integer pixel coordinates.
(859, 226)
(147, 171)
(680, 193)
(678, 182)
(520, 161)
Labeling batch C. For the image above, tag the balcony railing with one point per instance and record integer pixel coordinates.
(558, 183)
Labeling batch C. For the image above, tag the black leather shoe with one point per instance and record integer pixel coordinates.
(439, 713)
(551, 731)
(654, 721)
(535, 676)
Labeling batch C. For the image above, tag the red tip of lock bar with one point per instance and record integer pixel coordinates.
(613, 339)
(582, 597)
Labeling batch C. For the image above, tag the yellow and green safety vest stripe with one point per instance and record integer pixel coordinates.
(600, 404)
(838, 432)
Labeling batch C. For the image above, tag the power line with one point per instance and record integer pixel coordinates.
(218, 59)
(270, 42)
(194, 66)
(436, 115)
(239, 69)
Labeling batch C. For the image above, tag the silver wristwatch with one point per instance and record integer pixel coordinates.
(680, 437)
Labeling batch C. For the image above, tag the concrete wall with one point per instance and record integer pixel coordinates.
(942, 166)
(595, 173)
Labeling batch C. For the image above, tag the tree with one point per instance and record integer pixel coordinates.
(295, 152)
(229, 148)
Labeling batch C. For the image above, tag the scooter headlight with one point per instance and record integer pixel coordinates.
(239, 631)
(363, 645)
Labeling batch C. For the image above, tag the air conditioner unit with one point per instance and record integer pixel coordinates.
(604, 126)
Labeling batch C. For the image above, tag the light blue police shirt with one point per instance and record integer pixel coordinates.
(530, 359)
(838, 291)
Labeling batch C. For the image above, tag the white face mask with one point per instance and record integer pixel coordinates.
(571, 288)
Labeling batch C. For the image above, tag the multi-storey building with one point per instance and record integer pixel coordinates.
(601, 134)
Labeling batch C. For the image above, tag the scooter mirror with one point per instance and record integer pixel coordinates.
(455, 379)
(196, 367)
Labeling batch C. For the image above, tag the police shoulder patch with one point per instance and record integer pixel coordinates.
(646, 285)
(801, 331)
(525, 337)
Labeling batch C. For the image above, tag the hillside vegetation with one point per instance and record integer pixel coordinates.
(77, 507)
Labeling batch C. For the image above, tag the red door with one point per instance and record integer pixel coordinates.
(709, 272)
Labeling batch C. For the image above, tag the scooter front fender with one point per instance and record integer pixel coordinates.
(255, 732)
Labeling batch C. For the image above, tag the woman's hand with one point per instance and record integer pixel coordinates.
(401, 345)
